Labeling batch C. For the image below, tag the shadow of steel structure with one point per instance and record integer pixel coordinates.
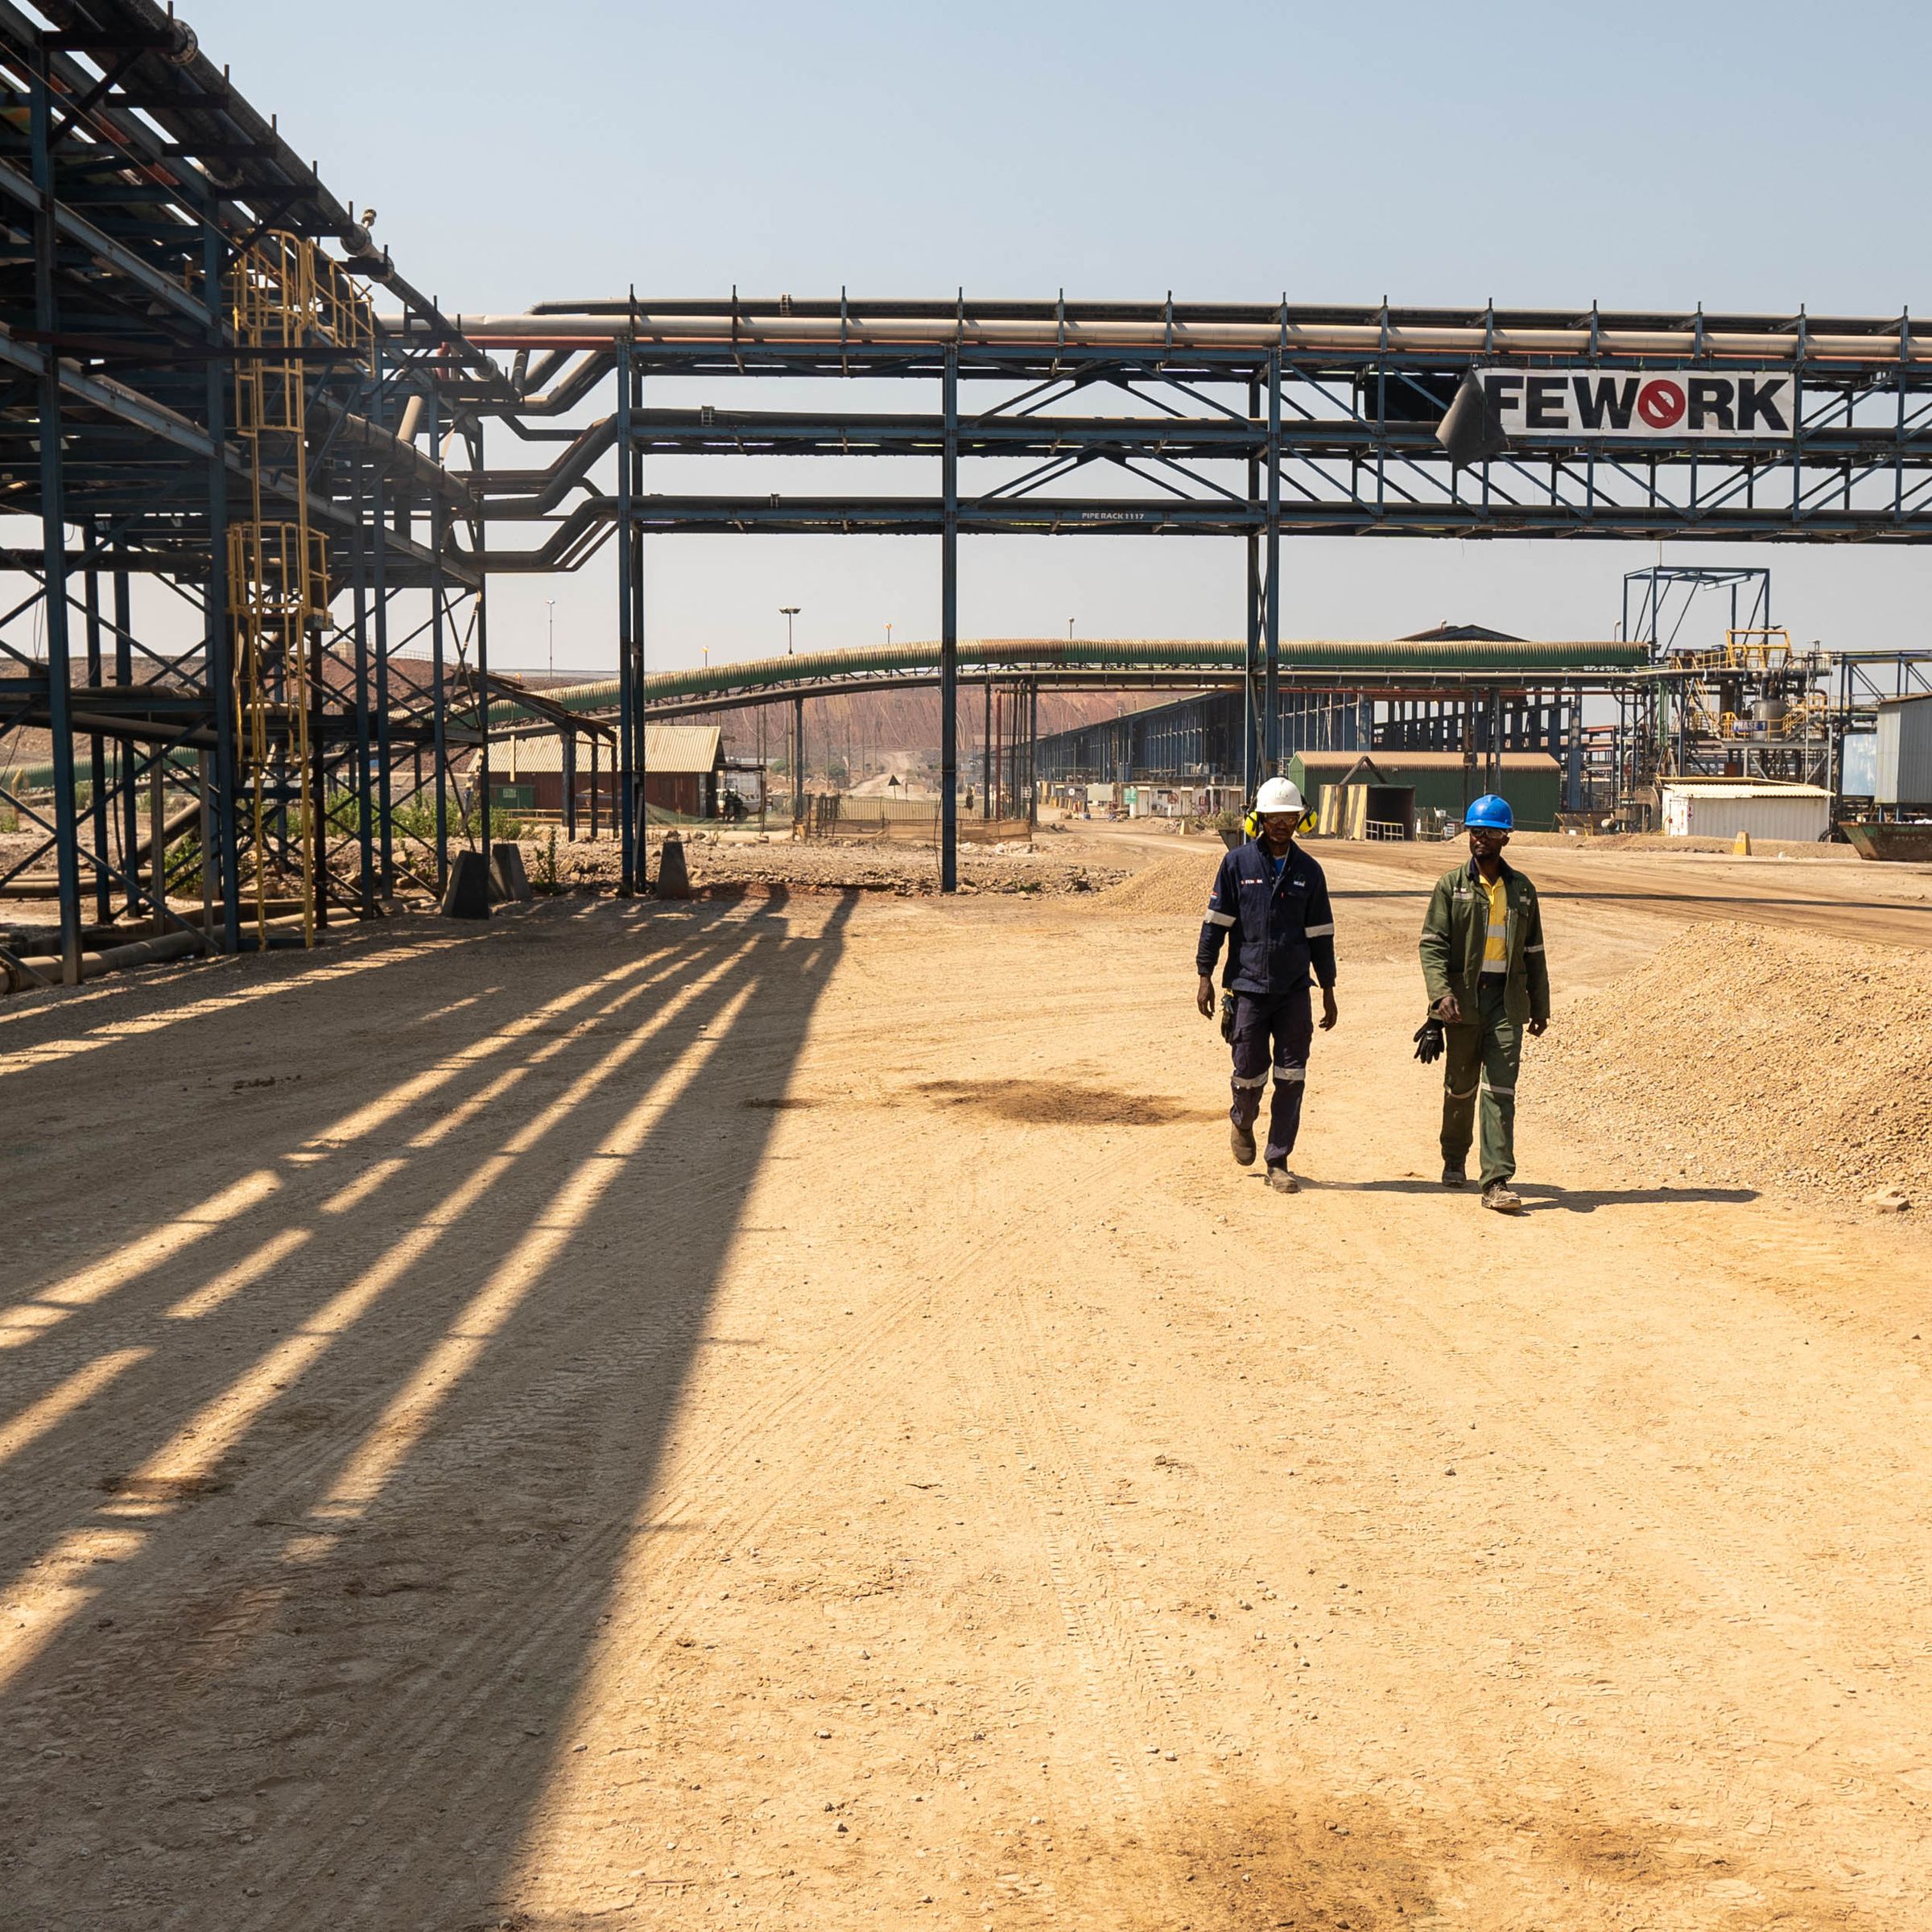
(1247, 421)
(199, 397)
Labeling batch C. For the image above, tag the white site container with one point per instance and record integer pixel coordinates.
(1764, 811)
(1905, 752)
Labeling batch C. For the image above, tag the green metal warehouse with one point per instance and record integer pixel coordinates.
(1532, 780)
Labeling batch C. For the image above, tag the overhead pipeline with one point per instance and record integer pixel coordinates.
(1892, 341)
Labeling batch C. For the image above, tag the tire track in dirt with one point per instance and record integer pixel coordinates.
(792, 1417)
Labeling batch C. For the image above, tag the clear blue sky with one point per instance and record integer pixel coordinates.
(1748, 156)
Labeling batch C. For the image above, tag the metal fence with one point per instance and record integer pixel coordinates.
(916, 821)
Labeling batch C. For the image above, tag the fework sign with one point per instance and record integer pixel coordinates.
(1578, 403)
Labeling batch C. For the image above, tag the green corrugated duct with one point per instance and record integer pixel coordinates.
(40, 777)
(1022, 654)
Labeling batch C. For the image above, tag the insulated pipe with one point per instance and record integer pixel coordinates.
(113, 959)
(39, 886)
(556, 482)
(395, 449)
(1342, 338)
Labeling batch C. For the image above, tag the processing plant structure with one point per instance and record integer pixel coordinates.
(220, 383)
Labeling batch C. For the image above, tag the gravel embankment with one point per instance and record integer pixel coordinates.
(867, 866)
(1752, 1057)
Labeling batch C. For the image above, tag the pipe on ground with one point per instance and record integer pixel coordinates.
(112, 959)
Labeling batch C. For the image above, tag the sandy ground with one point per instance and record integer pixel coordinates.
(781, 1412)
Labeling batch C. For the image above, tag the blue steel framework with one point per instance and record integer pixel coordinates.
(1197, 739)
(135, 183)
(1253, 422)
(136, 188)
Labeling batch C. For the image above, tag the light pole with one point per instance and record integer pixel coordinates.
(889, 637)
(788, 611)
(1070, 630)
(551, 603)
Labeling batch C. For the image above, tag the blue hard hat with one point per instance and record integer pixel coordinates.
(1491, 813)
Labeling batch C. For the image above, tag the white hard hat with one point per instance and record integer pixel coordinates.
(1279, 795)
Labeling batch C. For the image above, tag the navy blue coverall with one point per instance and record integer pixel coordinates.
(1279, 923)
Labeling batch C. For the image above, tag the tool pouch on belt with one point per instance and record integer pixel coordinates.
(1429, 1041)
(1228, 1016)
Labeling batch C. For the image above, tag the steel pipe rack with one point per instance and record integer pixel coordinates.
(140, 190)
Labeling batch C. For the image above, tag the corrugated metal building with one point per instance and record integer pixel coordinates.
(1721, 808)
(1905, 752)
(684, 766)
(1532, 780)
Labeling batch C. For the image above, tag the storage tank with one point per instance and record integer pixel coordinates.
(1905, 752)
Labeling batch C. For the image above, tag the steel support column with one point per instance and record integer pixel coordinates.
(949, 634)
(439, 685)
(218, 640)
(385, 799)
(641, 759)
(628, 697)
(53, 533)
(1271, 688)
(364, 794)
(1033, 752)
(124, 676)
(479, 536)
(797, 760)
(1250, 721)
(986, 751)
(97, 748)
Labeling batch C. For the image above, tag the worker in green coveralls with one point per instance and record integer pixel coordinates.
(1483, 965)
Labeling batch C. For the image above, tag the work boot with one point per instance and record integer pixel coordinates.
(1242, 1140)
(1503, 1198)
(1283, 1182)
(1454, 1175)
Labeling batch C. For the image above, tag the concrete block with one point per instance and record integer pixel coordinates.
(466, 895)
(674, 876)
(507, 873)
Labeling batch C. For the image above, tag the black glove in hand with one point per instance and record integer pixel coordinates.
(1429, 1041)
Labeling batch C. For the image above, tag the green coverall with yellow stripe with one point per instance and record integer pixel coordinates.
(1485, 1047)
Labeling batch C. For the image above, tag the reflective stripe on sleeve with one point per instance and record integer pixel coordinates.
(1320, 932)
(1533, 949)
(1220, 918)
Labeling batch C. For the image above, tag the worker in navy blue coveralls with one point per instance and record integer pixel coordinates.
(1270, 904)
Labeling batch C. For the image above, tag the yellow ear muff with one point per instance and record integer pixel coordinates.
(1309, 821)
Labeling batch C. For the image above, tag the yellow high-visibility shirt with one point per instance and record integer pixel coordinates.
(1495, 949)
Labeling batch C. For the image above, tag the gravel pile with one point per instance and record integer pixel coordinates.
(1751, 1057)
(871, 866)
(1168, 885)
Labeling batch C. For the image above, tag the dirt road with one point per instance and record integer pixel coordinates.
(783, 1413)
(1840, 895)
(1887, 905)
